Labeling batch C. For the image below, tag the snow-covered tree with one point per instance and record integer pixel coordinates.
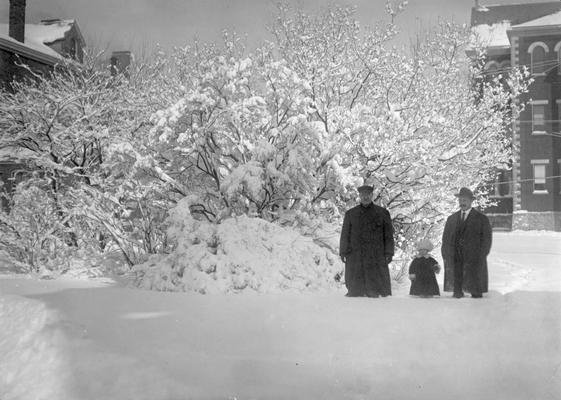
(297, 124)
(74, 127)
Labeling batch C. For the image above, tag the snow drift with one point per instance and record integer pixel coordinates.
(238, 254)
(29, 345)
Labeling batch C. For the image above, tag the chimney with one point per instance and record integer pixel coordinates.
(17, 20)
(120, 62)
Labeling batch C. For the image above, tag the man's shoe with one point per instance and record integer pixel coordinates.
(372, 294)
(353, 295)
(476, 295)
(458, 295)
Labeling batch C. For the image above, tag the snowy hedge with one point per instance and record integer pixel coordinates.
(238, 254)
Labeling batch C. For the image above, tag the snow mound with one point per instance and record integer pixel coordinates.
(30, 351)
(240, 254)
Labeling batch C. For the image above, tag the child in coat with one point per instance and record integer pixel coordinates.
(422, 271)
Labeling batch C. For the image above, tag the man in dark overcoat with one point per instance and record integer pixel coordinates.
(466, 243)
(367, 247)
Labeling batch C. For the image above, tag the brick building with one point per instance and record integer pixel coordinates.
(529, 195)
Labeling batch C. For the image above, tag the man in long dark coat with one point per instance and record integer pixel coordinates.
(466, 242)
(367, 247)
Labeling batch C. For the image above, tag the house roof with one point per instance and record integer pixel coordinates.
(37, 39)
(515, 13)
(491, 23)
(34, 51)
(546, 21)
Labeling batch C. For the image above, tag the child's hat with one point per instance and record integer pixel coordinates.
(425, 244)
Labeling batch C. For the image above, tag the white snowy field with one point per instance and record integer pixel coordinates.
(71, 339)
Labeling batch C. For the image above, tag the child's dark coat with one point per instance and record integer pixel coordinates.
(425, 283)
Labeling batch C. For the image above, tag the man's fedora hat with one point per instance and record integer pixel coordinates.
(465, 192)
(365, 188)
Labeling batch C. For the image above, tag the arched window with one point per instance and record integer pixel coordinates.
(491, 67)
(538, 58)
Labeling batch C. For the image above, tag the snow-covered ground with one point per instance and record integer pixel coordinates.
(71, 339)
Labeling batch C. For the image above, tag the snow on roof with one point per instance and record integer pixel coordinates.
(30, 44)
(13, 154)
(38, 36)
(548, 20)
(49, 32)
(494, 35)
(515, 13)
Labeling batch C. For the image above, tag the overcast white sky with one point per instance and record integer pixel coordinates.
(130, 24)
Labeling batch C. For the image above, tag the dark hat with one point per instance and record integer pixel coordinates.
(365, 188)
(465, 192)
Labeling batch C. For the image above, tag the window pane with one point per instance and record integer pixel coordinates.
(559, 174)
(505, 179)
(538, 117)
(538, 60)
(539, 177)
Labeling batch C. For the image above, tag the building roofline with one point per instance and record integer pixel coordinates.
(523, 3)
(79, 32)
(72, 23)
(26, 51)
(533, 28)
(516, 13)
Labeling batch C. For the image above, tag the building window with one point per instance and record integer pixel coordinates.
(538, 58)
(557, 49)
(17, 176)
(491, 67)
(503, 183)
(538, 116)
(559, 174)
(539, 168)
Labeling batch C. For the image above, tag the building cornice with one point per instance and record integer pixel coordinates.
(490, 51)
(535, 30)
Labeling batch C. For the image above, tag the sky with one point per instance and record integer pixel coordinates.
(137, 24)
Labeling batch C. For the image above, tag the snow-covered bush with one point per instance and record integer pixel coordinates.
(240, 254)
(34, 234)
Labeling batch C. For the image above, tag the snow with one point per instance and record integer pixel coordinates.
(10, 153)
(89, 340)
(28, 341)
(548, 20)
(38, 36)
(240, 254)
(494, 35)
